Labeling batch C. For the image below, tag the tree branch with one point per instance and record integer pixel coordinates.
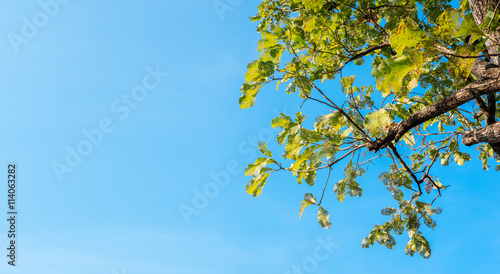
(489, 84)
(361, 54)
(489, 134)
(406, 167)
(481, 67)
(492, 109)
(485, 110)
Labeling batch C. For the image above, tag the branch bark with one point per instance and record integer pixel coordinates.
(479, 10)
(480, 68)
(489, 134)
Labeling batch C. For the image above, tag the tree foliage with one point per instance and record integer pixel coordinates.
(436, 77)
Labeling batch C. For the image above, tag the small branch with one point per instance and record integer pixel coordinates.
(438, 195)
(403, 209)
(361, 54)
(493, 17)
(342, 112)
(319, 101)
(468, 56)
(323, 167)
(326, 183)
(408, 170)
(386, 6)
(428, 167)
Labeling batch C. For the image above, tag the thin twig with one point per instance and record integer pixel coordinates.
(408, 170)
(326, 183)
(329, 165)
(493, 17)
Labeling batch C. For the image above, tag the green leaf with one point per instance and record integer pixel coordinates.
(268, 40)
(388, 211)
(254, 169)
(448, 23)
(282, 136)
(461, 157)
(255, 18)
(340, 189)
(445, 159)
(247, 100)
(439, 185)
(264, 150)
(346, 132)
(308, 200)
(256, 185)
(359, 61)
(377, 122)
(291, 88)
(324, 218)
(409, 139)
(391, 72)
(310, 177)
(418, 244)
(397, 194)
(346, 83)
(281, 121)
(252, 71)
(406, 35)
(305, 86)
(323, 152)
(314, 5)
(348, 185)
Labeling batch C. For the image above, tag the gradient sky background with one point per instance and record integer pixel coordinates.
(117, 212)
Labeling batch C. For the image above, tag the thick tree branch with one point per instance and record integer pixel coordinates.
(489, 84)
(491, 109)
(489, 134)
(479, 10)
(481, 68)
(491, 120)
(485, 109)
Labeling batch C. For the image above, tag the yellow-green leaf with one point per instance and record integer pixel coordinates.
(308, 200)
(254, 169)
(406, 35)
(247, 99)
(390, 73)
(264, 150)
(324, 218)
(377, 121)
(409, 139)
(256, 185)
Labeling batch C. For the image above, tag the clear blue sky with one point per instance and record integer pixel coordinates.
(146, 93)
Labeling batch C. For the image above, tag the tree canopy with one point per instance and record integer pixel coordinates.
(436, 76)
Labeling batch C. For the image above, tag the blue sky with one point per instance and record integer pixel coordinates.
(156, 86)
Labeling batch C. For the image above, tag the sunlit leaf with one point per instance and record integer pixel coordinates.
(308, 200)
